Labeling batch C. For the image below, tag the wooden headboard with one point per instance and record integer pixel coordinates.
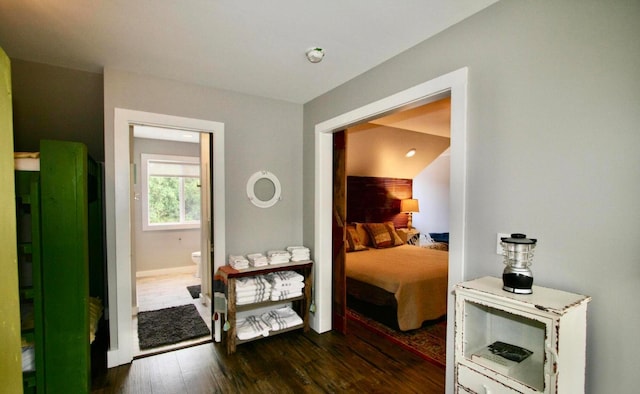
(375, 200)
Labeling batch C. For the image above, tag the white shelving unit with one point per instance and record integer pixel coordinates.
(550, 323)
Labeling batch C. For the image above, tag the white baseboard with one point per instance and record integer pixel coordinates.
(187, 269)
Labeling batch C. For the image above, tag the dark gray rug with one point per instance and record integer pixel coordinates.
(194, 291)
(170, 325)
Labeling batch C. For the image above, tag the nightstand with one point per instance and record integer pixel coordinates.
(409, 236)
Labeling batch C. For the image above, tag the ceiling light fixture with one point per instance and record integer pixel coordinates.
(315, 55)
(410, 153)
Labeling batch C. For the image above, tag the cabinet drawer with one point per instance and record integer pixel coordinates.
(479, 383)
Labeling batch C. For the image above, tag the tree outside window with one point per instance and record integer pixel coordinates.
(171, 192)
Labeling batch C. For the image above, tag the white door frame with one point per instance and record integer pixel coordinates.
(454, 82)
(119, 221)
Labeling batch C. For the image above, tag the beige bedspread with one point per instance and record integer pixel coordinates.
(417, 276)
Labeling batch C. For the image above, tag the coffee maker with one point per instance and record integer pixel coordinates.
(518, 255)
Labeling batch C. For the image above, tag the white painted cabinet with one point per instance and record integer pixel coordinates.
(549, 323)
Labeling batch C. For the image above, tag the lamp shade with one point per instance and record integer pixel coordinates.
(409, 205)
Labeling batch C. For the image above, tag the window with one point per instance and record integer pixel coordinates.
(170, 192)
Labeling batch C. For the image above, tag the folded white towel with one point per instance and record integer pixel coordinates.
(257, 259)
(245, 300)
(258, 282)
(287, 286)
(279, 319)
(285, 295)
(251, 327)
(284, 276)
(293, 249)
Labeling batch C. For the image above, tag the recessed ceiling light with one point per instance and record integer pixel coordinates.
(410, 153)
(315, 54)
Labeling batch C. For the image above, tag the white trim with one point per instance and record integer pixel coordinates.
(454, 82)
(119, 218)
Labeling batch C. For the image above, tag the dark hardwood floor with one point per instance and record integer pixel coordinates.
(287, 363)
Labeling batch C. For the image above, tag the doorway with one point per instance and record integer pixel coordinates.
(380, 173)
(454, 82)
(119, 220)
(170, 211)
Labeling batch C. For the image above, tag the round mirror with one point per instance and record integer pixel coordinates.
(263, 189)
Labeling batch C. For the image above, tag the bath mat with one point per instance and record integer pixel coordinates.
(194, 291)
(170, 325)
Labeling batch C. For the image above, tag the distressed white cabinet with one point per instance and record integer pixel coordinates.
(550, 323)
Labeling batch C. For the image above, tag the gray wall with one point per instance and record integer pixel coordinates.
(57, 103)
(554, 93)
(260, 134)
(161, 249)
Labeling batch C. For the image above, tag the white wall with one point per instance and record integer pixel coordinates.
(160, 249)
(551, 151)
(431, 188)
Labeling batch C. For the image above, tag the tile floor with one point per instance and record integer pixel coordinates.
(164, 291)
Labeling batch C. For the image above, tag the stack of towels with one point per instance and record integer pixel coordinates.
(278, 256)
(299, 253)
(238, 262)
(278, 319)
(257, 260)
(251, 327)
(285, 285)
(252, 289)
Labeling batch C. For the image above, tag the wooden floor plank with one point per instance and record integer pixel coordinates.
(288, 363)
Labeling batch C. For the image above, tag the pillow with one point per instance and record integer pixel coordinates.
(394, 234)
(380, 235)
(354, 243)
(363, 234)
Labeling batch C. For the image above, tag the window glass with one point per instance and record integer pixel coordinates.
(170, 192)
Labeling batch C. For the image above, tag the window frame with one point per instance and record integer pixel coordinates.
(145, 158)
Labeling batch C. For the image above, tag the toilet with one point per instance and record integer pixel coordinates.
(195, 257)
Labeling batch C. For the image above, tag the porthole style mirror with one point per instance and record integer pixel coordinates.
(263, 189)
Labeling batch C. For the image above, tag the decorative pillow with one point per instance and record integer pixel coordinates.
(380, 235)
(353, 240)
(363, 234)
(394, 234)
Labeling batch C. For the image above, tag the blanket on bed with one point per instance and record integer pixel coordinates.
(417, 277)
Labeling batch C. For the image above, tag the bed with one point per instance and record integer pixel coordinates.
(405, 281)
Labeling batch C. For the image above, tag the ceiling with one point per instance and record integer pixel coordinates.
(254, 47)
(378, 148)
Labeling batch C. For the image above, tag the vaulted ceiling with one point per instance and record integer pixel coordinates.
(378, 148)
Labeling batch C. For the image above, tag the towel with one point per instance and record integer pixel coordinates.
(279, 319)
(278, 256)
(279, 277)
(257, 260)
(287, 286)
(258, 282)
(251, 327)
(299, 253)
(252, 299)
(285, 294)
(238, 262)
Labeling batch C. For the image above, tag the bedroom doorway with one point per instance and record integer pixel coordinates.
(376, 176)
(454, 82)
